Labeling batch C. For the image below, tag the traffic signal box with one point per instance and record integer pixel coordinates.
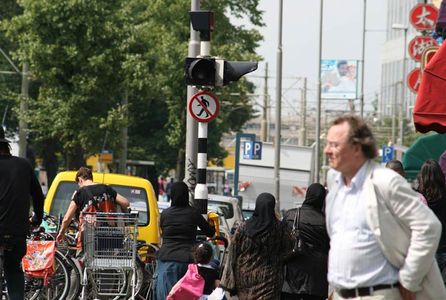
(210, 71)
(207, 70)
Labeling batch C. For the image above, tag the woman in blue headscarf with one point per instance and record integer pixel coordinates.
(256, 253)
(178, 225)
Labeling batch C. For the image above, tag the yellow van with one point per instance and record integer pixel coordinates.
(137, 190)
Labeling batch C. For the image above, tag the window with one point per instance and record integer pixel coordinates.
(138, 201)
(214, 205)
(62, 197)
(136, 196)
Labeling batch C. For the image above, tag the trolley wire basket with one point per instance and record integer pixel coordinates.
(109, 246)
(109, 240)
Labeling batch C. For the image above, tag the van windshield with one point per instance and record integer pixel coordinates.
(136, 196)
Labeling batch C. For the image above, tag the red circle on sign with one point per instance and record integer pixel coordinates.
(423, 16)
(420, 43)
(414, 79)
(211, 110)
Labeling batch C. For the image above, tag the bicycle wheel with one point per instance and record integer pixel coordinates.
(58, 285)
(142, 278)
(147, 259)
(75, 279)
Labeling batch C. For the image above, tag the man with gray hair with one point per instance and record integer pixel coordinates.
(382, 238)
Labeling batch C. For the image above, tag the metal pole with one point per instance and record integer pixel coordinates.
(264, 123)
(317, 165)
(403, 91)
(190, 168)
(238, 137)
(278, 110)
(23, 125)
(393, 109)
(201, 189)
(303, 114)
(363, 58)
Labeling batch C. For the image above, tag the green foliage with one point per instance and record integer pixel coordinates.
(86, 55)
(9, 82)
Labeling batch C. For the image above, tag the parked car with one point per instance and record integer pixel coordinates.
(162, 205)
(228, 206)
(138, 191)
(247, 213)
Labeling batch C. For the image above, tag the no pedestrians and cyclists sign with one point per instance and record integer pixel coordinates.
(204, 106)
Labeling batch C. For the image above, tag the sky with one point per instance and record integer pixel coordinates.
(342, 39)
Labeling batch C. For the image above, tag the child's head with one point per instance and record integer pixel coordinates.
(202, 253)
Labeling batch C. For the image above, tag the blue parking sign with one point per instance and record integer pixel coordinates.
(252, 150)
(387, 153)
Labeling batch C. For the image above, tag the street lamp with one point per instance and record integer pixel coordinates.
(403, 87)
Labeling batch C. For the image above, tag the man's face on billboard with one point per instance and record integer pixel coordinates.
(343, 69)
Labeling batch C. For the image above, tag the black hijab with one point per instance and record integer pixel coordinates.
(179, 194)
(263, 216)
(315, 196)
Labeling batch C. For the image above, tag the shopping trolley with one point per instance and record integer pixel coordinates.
(109, 246)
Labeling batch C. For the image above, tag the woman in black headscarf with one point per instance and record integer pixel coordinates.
(178, 225)
(254, 268)
(306, 273)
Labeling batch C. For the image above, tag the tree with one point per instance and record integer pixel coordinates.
(86, 55)
(9, 82)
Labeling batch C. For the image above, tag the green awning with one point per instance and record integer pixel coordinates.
(424, 148)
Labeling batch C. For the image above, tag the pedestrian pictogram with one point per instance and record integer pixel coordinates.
(204, 106)
(423, 16)
(420, 43)
(414, 80)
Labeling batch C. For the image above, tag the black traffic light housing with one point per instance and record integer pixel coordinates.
(200, 71)
(203, 21)
(208, 71)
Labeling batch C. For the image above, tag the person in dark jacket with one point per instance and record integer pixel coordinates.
(306, 273)
(431, 183)
(178, 225)
(18, 184)
(256, 254)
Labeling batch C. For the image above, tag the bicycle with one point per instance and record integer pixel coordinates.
(146, 262)
(58, 285)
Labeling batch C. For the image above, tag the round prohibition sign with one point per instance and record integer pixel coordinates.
(204, 106)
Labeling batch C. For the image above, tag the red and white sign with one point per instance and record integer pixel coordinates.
(204, 106)
(427, 56)
(414, 80)
(420, 43)
(423, 16)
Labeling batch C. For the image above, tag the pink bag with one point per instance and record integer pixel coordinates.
(189, 287)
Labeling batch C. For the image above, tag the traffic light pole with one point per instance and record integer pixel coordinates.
(206, 71)
(201, 189)
(190, 168)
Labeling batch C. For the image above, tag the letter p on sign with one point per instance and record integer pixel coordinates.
(252, 150)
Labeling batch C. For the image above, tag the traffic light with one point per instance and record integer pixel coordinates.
(215, 72)
(200, 71)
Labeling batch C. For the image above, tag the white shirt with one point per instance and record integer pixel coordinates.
(355, 259)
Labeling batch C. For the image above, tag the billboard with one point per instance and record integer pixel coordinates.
(339, 79)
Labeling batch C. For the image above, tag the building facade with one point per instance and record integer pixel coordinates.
(393, 78)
